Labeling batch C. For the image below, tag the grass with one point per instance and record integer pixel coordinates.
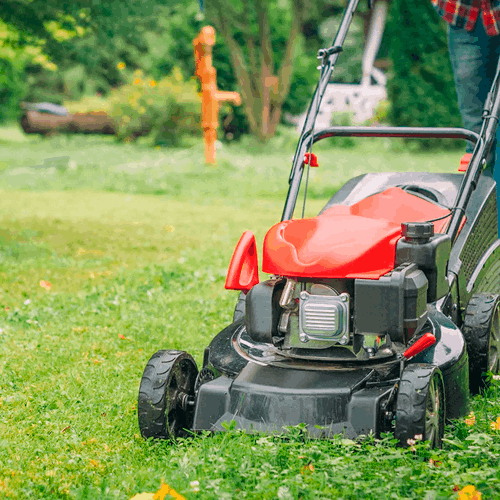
(136, 242)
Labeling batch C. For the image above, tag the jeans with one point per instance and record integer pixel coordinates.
(474, 57)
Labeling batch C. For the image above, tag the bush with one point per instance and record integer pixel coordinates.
(422, 90)
(168, 109)
(11, 89)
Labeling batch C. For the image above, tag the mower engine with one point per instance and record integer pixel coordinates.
(341, 318)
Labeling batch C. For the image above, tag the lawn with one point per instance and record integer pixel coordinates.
(110, 252)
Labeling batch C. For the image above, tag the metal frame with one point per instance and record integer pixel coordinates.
(483, 141)
(340, 131)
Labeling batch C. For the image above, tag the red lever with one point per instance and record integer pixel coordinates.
(243, 272)
(420, 345)
(314, 160)
(464, 162)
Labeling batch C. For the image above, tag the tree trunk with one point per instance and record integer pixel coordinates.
(263, 86)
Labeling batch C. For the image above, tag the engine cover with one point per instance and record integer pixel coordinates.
(395, 304)
(323, 317)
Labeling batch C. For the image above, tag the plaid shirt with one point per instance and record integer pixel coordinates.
(465, 13)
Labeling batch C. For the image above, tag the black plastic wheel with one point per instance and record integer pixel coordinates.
(165, 405)
(420, 409)
(239, 310)
(481, 331)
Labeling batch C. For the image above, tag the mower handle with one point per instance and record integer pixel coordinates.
(407, 132)
(342, 131)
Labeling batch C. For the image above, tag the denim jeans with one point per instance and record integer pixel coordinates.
(474, 57)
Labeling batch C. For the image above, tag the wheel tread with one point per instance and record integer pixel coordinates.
(412, 401)
(153, 395)
(476, 331)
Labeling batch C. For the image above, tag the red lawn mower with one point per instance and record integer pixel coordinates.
(380, 314)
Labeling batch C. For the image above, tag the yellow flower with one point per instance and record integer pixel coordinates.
(469, 493)
(137, 81)
(121, 65)
(471, 419)
(167, 490)
(496, 425)
(142, 110)
(152, 83)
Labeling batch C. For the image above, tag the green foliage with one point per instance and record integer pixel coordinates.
(168, 109)
(14, 58)
(422, 91)
(11, 89)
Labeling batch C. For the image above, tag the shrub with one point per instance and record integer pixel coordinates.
(422, 90)
(11, 89)
(168, 109)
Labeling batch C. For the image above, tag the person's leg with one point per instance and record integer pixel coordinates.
(493, 63)
(469, 64)
(473, 59)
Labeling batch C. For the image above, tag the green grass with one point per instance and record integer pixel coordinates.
(136, 243)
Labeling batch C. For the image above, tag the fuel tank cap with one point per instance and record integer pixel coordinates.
(417, 232)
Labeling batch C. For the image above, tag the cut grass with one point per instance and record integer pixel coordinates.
(133, 272)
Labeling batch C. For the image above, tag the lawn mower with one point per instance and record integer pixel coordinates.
(381, 314)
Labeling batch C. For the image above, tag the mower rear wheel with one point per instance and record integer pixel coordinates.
(481, 331)
(165, 405)
(420, 410)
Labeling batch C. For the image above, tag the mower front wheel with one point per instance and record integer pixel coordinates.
(420, 412)
(166, 400)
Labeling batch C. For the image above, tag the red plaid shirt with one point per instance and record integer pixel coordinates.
(465, 13)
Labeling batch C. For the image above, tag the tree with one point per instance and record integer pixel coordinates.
(261, 36)
(422, 91)
(42, 20)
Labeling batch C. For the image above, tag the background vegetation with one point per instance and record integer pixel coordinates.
(66, 53)
(422, 89)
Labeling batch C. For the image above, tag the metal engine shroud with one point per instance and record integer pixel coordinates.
(322, 317)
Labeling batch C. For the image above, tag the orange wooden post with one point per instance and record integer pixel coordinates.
(211, 97)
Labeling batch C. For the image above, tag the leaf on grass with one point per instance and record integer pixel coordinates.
(308, 468)
(143, 496)
(46, 284)
(454, 442)
(479, 438)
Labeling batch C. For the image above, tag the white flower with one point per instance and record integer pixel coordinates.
(195, 486)
(27, 301)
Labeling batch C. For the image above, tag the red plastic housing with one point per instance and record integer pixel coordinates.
(243, 272)
(464, 162)
(425, 341)
(314, 160)
(357, 241)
